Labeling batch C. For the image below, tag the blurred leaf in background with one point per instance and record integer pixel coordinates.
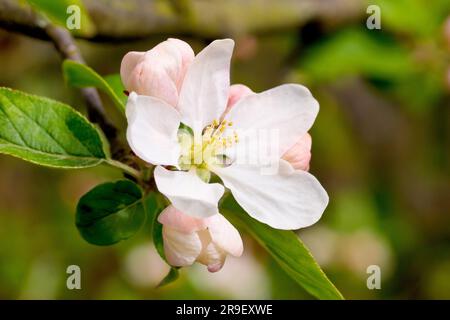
(60, 11)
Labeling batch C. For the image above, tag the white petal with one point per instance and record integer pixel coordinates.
(286, 200)
(129, 62)
(181, 249)
(188, 193)
(212, 255)
(225, 235)
(204, 92)
(177, 220)
(287, 111)
(152, 130)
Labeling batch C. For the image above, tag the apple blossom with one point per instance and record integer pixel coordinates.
(206, 240)
(185, 131)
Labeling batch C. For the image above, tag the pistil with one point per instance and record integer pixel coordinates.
(212, 143)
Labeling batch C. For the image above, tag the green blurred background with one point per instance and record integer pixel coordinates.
(381, 147)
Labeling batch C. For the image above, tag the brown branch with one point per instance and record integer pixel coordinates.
(128, 20)
(64, 43)
(125, 20)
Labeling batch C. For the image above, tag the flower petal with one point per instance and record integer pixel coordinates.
(204, 93)
(212, 255)
(288, 111)
(299, 154)
(152, 130)
(236, 93)
(181, 249)
(224, 235)
(129, 62)
(188, 193)
(179, 221)
(287, 200)
(158, 72)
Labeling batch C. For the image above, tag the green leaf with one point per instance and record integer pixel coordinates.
(287, 250)
(110, 212)
(422, 18)
(81, 76)
(62, 11)
(47, 132)
(159, 203)
(170, 277)
(115, 82)
(158, 239)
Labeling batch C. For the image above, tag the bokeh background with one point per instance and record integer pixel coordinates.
(381, 147)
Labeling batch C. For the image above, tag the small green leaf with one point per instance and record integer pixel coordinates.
(158, 239)
(169, 278)
(115, 82)
(47, 132)
(159, 203)
(62, 12)
(81, 76)
(155, 203)
(110, 212)
(287, 250)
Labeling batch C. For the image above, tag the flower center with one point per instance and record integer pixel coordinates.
(207, 149)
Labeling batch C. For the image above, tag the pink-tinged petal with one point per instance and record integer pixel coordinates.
(224, 235)
(215, 267)
(181, 249)
(179, 221)
(153, 80)
(178, 50)
(204, 92)
(158, 72)
(187, 56)
(237, 92)
(129, 62)
(212, 255)
(299, 154)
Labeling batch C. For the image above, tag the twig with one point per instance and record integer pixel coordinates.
(65, 44)
(129, 20)
(125, 168)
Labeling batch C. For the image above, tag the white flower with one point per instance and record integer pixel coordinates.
(288, 199)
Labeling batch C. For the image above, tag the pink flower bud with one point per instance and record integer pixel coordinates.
(236, 93)
(207, 241)
(158, 72)
(299, 155)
